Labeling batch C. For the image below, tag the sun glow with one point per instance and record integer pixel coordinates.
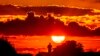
(58, 39)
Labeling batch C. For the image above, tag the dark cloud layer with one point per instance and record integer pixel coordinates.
(70, 3)
(97, 1)
(93, 1)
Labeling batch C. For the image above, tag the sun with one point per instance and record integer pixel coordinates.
(58, 39)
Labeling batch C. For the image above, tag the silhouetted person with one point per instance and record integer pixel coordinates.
(49, 49)
(6, 49)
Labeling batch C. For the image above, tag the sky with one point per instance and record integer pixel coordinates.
(71, 3)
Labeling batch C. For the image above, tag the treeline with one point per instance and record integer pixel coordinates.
(40, 25)
(73, 48)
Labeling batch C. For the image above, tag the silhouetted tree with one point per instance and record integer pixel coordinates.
(69, 48)
(6, 49)
(39, 54)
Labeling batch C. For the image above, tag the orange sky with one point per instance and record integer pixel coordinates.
(74, 3)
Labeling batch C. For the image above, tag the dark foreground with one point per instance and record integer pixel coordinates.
(70, 48)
